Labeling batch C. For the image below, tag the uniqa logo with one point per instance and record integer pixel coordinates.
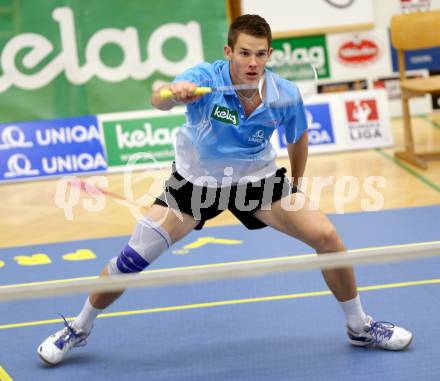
(37, 48)
(20, 165)
(358, 51)
(317, 134)
(13, 137)
(257, 137)
(67, 135)
(82, 162)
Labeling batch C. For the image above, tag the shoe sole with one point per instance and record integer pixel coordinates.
(359, 343)
(364, 344)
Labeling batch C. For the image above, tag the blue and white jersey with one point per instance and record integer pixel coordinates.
(217, 134)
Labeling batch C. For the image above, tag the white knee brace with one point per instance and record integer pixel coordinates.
(147, 242)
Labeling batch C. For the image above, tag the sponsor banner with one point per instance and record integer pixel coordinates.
(417, 59)
(289, 53)
(337, 87)
(418, 105)
(283, 16)
(66, 58)
(344, 121)
(388, 9)
(390, 84)
(141, 139)
(409, 6)
(367, 126)
(320, 127)
(50, 147)
(354, 54)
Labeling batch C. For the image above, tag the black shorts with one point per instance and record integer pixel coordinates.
(242, 200)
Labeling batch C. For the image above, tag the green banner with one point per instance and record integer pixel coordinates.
(290, 53)
(63, 58)
(153, 137)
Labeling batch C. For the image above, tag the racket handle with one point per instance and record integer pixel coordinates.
(167, 94)
(202, 90)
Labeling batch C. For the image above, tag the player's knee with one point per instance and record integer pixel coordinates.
(129, 261)
(328, 240)
(147, 242)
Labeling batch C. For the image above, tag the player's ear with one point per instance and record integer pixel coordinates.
(269, 52)
(228, 51)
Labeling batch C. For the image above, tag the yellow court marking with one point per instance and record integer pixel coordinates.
(267, 260)
(225, 303)
(4, 376)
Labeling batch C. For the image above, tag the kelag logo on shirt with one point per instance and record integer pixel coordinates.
(320, 128)
(225, 115)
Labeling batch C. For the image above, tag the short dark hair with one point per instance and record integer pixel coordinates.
(253, 25)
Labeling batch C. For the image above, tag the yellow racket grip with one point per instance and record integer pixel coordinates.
(167, 94)
(202, 90)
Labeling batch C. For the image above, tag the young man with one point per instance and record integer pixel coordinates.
(226, 136)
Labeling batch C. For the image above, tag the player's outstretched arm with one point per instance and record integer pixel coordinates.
(167, 96)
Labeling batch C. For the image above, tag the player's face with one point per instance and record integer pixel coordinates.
(248, 58)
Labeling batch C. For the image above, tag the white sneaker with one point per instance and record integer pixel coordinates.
(381, 334)
(54, 348)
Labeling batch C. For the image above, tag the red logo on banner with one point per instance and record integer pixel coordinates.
(358, 51)
(362, 111)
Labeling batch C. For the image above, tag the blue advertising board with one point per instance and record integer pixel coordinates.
(417, 59)
(51, 147)
(320, 127)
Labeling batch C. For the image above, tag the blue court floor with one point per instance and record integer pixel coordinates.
(280, 327)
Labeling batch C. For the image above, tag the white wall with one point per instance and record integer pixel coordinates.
(290, 15)
(294, 15)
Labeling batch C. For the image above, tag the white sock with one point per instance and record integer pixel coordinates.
(355, 315)
(84, 321)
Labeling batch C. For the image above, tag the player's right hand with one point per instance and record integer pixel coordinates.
(183, 92)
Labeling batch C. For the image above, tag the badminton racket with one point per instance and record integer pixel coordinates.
(303, 76)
